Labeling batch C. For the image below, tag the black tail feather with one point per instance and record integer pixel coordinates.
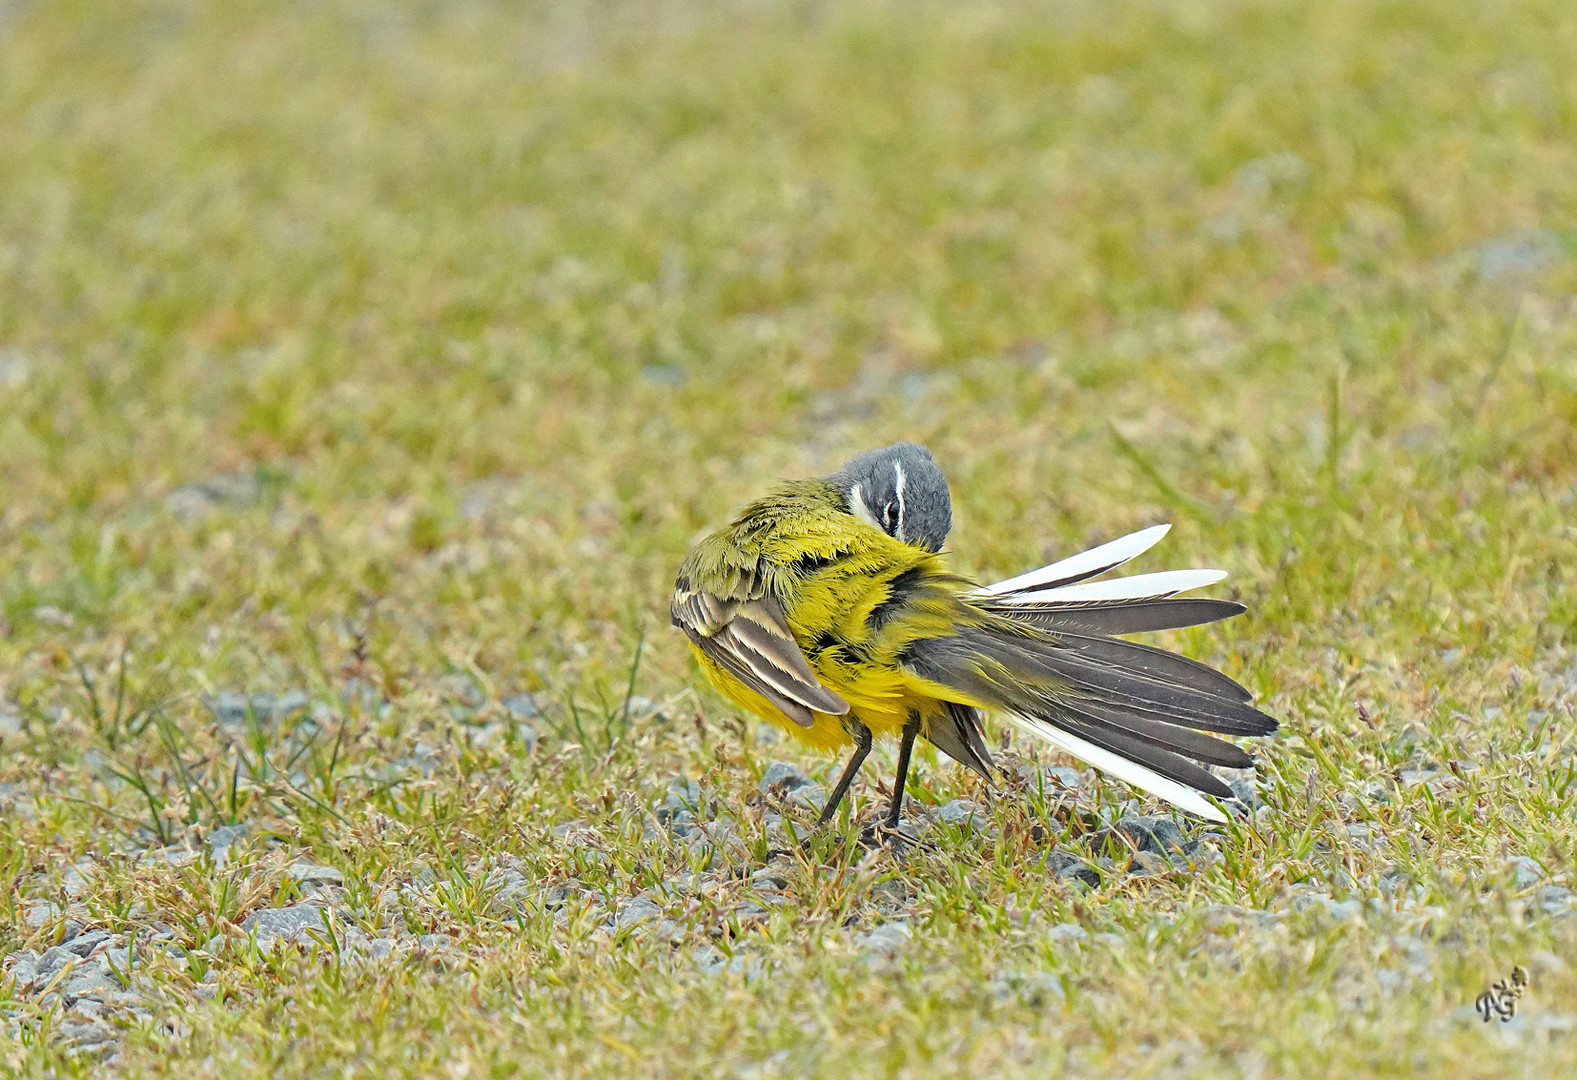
(1147, 706)
(1120, 616)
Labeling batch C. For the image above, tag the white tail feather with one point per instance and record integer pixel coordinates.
(1133, 587)
(1097, 560)
(1179, 795)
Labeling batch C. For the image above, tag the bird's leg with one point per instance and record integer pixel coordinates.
(862, 747)
(911, 728)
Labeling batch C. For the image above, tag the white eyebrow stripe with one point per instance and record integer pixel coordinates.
(902, 482)
(859, 509)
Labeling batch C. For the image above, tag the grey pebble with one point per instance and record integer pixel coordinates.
(1554, 899)
(234, 709)
(962, 814)
(308, 873)
(435, 942)
(380, 948)
(769, 878)
(1072, 870)
(53, 960)
(1525, 873)
(1064, 776)
(1068, 933)
(85, 1032)
(1156, 835)
(1037, 990)
(95, 981)
(288, 923)
(712, 962)
(682, 803)
(635, 911)
(1246, 791)
(887, 939)
(1345, 910)
(522, 707)
(1518, 254)
(783, 776)
(221, 838)
(84, 944)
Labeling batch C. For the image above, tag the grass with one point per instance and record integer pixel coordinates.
(395, 354)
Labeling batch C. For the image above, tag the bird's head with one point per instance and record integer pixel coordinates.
(900, 490)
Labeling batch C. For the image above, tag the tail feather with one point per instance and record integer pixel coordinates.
(1131, 772)
(1169, 762)
(1048, 657)
(1190, 741)
(1081, 693)
(1086, 564)
(1122, 616)
(1044, 661)
(958, 735)
(1158, 664)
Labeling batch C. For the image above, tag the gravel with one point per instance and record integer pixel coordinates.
(1525, 873)
(962, 814)
(635, 911)
(783, 777)
(1071, 870)
(1554, 900)
(682, 804)
(887, 939)
(286, 923)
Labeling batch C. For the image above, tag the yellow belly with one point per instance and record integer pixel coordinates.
(881, 699)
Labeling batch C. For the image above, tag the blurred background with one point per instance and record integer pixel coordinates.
(484, 310)
(392, 355)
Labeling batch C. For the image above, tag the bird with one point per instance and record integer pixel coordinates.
(828, 609)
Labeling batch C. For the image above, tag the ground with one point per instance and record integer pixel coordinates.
(366, 370)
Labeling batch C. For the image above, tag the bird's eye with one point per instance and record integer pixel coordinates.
(890, 516)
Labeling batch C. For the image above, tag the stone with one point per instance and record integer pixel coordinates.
(887, 939)
(1525, 873)
(287, 923)
(308, 873)
(221, 838)
(811, 797)
(435, 942)
(195, 501)
(522, 707)
(1246, 791)
(85, 1032)
(1554, 899)
(1067, 933)
(635, 911)
(94, 981)
(1344, 910)
(962, 814)
(783, 777)
(84, 944)
(1037, 990)
(1518, 254)
(1072, 870)
(1065, 777)
(682, 803)
(507, 887)
(769, 878)
(235, 710)
(53, 960)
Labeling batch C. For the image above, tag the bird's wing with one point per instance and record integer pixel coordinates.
(750, 640)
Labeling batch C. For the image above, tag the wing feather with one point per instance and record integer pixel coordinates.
(750, 640)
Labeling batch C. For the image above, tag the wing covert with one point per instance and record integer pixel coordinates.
(750, 639)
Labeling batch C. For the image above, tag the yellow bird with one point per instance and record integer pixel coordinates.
(827, 609)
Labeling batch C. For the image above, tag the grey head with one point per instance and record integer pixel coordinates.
(900, 490)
